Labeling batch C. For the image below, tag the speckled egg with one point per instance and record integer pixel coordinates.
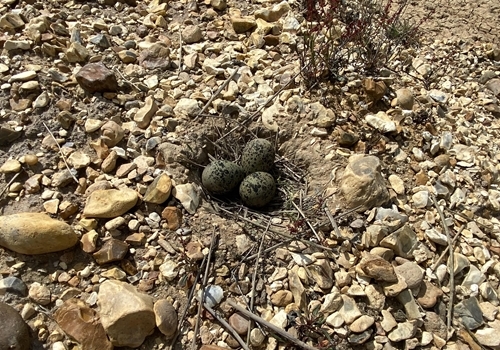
(258, 155)
(257, 189)
(222, 176)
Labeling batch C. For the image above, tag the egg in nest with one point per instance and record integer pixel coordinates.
(258, 155)
(222, 176)
(257, 189)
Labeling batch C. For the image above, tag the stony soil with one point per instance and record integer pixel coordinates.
(379, 275)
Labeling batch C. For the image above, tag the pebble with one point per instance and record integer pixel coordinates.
(79, 321)
(361, 324)
(96, 77)
(165, 317)
(282, 298)
(110, 203)
(159, 190)
(10, 166)
(35, 233)
(403, 331)
(14, 285)
(14, 334)
(112, 250)
(239, 323)
(123, 308)
(188, 195)
(39, 293)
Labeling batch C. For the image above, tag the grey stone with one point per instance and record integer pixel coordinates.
(402, 241)
(14, 333)
(469, 312)
(13, 285)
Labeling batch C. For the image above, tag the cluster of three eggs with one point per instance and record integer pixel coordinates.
(256, 186)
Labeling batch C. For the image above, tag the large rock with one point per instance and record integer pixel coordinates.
(111, 203)
(159, 190)
(127, 315)
(362, 183)
(82, 324)
(35, 233)
(15, 333)
(95, 77)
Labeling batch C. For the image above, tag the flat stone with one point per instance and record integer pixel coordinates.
(112, 250)
(13, 285)
(79, 160)
(39, 293)
(89, 241)
(10, 166)
(115, 274)
(155, 57)
(488, 337)
(282, 298)
(297, 288)
(257, 338)
(469, 312)
(405, 98)
(362, 183)
(397, 184)
(411, 273)
(173, 216)
(165, 317)
(274, 13)
(145, 113)
(377, 268)
(95, 77)
(375, 296)
(243, 24)
(393, 289)
(194, 251)
(374, 90)
(435, 325)
(82, 324)
(403, 331)
(35, 233)
(239, 323)
(381, 121)
(14, 334)
(111, 133)
(187, 107)
(412, 309)
(349, 310)
(322, 273)
(362, 324)
(189, 196)
(402, 241)
(110, 203)
(126, 315)
(428, 295)
(388, 322)
(191, 34)
(159, 190)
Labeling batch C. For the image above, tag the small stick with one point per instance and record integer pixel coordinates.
(267, 250)
(10, 183)
(204, 282)
(452, 261)
(128, 81)
(60, 151)
(272, 327)
(307, 221)
(434, 266)
(319, 246)
(333, 222)
(180, 50)
(219, 90)
(226, 326)
(254, 279)
(190, 297)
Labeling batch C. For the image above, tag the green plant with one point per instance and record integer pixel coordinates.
(357, 35)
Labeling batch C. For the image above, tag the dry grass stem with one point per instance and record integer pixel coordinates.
(10, 183)
(60, 151)
(217, 93)
(270, 326)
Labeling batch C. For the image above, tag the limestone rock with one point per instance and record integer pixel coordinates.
(39, 293)
(192, 34)
(402, 241)
(377, 268)
(159, 190)
(187, 107)
(243, 24)
(274, 13)
(95, 77)
(405, 98)
(112, 250)
(82, 324)
(362, 184)
(10, 166)
(126, 315)
(15, 333)
(35, 233)
(110, 203)
(188, 195)
(166, 317)
(144, 115)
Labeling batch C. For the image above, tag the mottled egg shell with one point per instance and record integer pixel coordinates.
(222, 176)
(257, 189)
(258, 155)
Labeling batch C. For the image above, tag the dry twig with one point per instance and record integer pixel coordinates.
(254, 278)
(226, 326)
(60, 151)
(273, 328)
(219, 90)
(452, 262)
(8, 185)
(204, 283)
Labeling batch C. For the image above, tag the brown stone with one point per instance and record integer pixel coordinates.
(428, 295)
(165, 317)
(137, 238)
(282, 298)
(193, 251)
(157, 56)
(239, 323)
(378, 268)
(375, 90)
(82, 324)
(112, 250)
(173, 216)
(89, 241)
(95, 77)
